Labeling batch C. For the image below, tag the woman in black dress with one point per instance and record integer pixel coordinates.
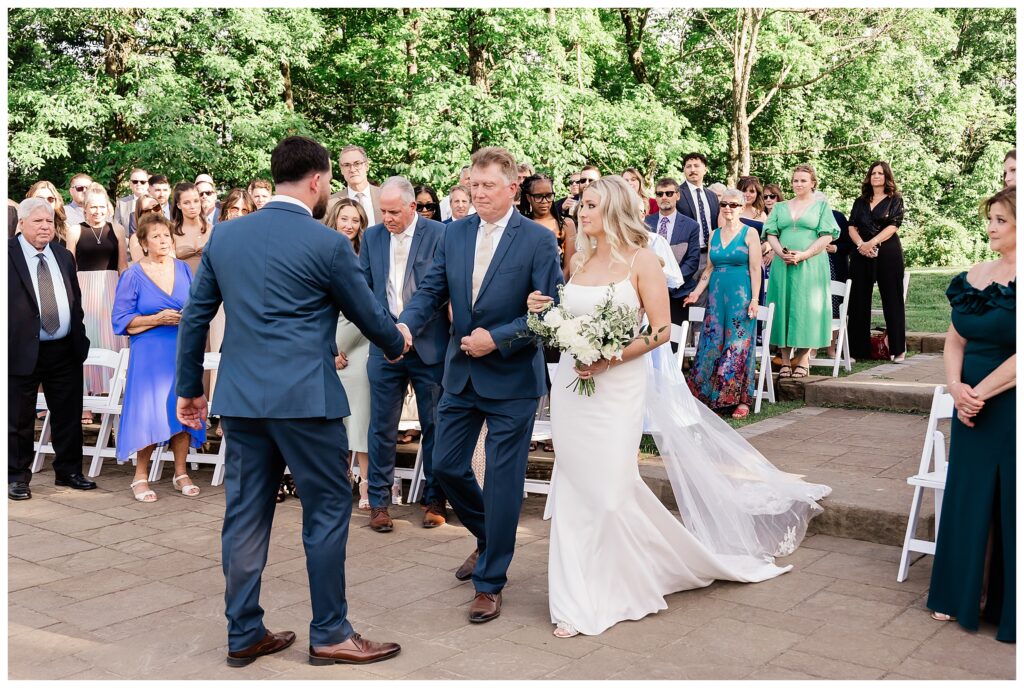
(878, 257)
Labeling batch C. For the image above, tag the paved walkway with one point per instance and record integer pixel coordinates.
(101, 587)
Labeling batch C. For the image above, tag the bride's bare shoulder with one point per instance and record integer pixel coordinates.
(646, 260)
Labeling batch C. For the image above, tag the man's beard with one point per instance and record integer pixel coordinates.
(320, 209)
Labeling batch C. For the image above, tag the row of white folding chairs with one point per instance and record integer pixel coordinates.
(765, 315)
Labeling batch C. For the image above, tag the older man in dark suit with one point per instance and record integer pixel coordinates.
(46, 345)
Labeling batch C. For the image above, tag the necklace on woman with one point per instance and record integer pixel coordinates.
(98, 237)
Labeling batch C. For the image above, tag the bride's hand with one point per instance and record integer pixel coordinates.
(537, 302)
(595, 368)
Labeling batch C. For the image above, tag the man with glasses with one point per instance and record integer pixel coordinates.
(160, 189)
(74, 213)
(139, 186)
(208, 198)
(682, 234)
(568, 203)
(588, 175)
(355, 167)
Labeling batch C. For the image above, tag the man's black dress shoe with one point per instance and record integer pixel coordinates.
(76, 482)
(18, 491)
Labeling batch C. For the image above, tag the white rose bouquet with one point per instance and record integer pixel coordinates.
(589, 338)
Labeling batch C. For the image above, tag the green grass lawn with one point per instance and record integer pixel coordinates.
(927, 307)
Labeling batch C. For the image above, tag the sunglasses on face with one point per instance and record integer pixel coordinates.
(664, 194)
(48, 199)
(424, 206)
(542, 197)
(587, 180)
(135, 182)
(732, 205)
(207, 193)
(80, 188)
(151, 209)
(771, 196)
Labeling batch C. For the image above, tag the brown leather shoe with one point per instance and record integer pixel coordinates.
(485, 607)
(380, 521)
(355, 650)
(435, 515)
(465, 571)
(271, 643)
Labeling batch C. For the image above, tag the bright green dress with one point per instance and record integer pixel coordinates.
(803, 305)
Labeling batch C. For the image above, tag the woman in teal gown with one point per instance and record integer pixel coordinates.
(724, 368)
(980, 501)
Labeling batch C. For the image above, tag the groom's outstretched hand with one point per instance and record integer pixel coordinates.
(478, 343)
(192, 412)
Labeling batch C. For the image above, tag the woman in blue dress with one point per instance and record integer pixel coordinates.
(147, 307)
(724, 373)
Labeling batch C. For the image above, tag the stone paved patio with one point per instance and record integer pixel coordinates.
(101, 587)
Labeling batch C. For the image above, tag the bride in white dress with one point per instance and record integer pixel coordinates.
(615, 550)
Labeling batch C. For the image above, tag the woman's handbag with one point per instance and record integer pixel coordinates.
(879, 346)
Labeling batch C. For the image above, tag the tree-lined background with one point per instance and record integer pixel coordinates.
(183, 91)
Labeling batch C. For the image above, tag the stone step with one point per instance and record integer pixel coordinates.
(926, 342)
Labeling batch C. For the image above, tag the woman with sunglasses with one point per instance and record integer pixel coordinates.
(145, 206)
(48, 192)
(723, 373)
(568, 204)
(537, 202)
(427, 204)
(237, 203)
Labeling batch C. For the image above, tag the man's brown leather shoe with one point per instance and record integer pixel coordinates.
(271, 643)
(380, 520)
(355, 650)
(485, 606)
(465, 571)
(435, 515)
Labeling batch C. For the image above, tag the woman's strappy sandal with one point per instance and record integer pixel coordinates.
(564, 630)
(145, 494)
(187, 490)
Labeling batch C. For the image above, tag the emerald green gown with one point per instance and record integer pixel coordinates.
(803, 304)
(981, 483)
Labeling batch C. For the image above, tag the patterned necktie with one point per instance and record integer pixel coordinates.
(401, 260)
(705, 230)
(48, 314)
(484, 251)
(663, 228)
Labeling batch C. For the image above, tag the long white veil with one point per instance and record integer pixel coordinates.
(729, 496)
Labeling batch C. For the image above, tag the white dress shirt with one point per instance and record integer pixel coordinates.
(396, 277)
(59, 289)
(366, 201)
(707, 210)
(282, 198)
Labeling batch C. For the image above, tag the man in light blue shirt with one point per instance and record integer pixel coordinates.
(74, 212)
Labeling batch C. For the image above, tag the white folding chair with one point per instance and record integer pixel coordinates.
(694, 315)
(211, 361)
(108, 407)
(764, 358)
(842, 290)
(906, 290)
(931, 475)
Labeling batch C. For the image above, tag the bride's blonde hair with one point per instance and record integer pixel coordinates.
(623, 230)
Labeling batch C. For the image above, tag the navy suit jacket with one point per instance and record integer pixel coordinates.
(282, 277)
(375, 260)
(685, 243)
(526, 259)
(686, 207)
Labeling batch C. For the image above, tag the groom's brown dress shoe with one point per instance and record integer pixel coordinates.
(380, 521)
(355, 650)
(271, 643)
(465, 571)
(485, 607)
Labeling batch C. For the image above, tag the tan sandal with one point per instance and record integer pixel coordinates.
(564, 630)
(939, 616)
(187, 490)
(145, 494)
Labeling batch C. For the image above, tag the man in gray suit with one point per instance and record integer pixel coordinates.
(125, 209)
(355, 167)
(282, 277)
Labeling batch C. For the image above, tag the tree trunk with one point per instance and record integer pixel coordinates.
(118, 46)
(286, 73)
(411, 54)
(477, 52)
(634, 26)
(744, 55)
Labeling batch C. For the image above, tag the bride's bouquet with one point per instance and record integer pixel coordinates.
(604, 333)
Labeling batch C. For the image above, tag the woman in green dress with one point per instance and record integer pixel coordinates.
(798, 231)
(974, 573)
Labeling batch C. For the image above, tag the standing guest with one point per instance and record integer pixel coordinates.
(538, 203)
(718, 188)
(426, 203)
(492, 373)
(772, 195)
(838, 263)
(283, 277)
(525, 170)
(458, 203)
(160, 189)
(699, 204)
(138, 180)
(150, 297)
(753, 197)
(1010, 168)
(237, 203)
(100, 249)
(798, 231)
(74, 211)
(979, 508)
(208, 198)
(144, 207)
(191, 230)
(355, 167)
(395, 258)
(261, 190)
(46, 345)
(588, 175)
(724, 370)
(348, 217)
(48, 192)
(567, 205)
(648, 206)
(682, 234)
(446, 202)
(12, 217)
(874, 220)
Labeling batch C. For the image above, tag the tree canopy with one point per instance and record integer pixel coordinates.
(183, 91)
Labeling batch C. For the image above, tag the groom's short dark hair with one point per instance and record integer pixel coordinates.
(296, 157)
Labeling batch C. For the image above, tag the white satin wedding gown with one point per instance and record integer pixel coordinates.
(615, 550)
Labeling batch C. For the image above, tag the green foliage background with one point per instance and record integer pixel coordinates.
(181, 91)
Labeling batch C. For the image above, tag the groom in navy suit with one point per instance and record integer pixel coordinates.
(487, 264)
(282, 277)
(683, 236)
(395, 257)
